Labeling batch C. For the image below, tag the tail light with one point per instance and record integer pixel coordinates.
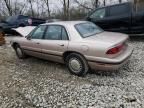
(115, 49)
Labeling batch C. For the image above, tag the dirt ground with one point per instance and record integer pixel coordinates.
(36, 83)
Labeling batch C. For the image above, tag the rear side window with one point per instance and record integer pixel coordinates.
(119, 10)
(53, 33)
(99, 14)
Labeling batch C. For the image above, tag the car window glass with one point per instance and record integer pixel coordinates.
(64, 34)
(119, 10)
(22, 17)
(53, 33)
(99, 14)
(11, 19)
(88, 29)
(38, 33)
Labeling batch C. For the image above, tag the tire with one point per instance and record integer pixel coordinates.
(77, 64)
(19, 52)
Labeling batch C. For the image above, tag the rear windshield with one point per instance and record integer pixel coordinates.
(88, 29)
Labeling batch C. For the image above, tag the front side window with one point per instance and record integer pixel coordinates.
(99, 14)
(38, 32)
(88, 29)
(56, 32)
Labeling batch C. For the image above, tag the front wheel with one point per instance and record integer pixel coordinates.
(77, 64)
(19, 52)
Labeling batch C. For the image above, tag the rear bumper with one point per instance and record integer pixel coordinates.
(109, 66)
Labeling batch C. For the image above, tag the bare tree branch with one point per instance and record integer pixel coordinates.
(8, 6)
(82, 5)
(48, 7)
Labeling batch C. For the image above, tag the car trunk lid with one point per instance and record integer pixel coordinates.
(109, 37)
(115, 42)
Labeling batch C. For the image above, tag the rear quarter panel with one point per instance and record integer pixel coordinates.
(88, 49)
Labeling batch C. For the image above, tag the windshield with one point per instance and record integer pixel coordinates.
(11, 19)
(88, 29)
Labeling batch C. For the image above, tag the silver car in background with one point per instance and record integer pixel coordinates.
(81, 45)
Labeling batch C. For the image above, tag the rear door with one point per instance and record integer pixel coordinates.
(138, 21)
(99, 17)
(119, 17)
(55, 43)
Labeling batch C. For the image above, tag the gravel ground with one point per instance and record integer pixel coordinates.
(36, 83)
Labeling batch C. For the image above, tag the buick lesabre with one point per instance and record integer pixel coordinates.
(81, 45)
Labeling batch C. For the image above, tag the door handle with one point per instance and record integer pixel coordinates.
(61, 44)
(37, 43)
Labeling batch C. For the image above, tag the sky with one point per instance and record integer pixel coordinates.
(56, 4)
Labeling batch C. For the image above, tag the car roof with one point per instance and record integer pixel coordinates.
(65, 23)
(114, 5)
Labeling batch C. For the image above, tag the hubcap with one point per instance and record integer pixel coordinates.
(75, 65)
(19, 52)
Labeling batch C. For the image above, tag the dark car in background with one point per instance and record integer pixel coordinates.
(19, 21)
(124, 18)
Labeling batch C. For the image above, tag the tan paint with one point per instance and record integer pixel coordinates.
(93, 48)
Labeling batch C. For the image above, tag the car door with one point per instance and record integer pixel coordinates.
(32, 44)
(99, 17)
(55, 43)
(119, 17)
(22, 21)
(137, 22)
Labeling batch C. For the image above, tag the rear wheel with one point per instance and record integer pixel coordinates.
(19, 52)
(77, 64)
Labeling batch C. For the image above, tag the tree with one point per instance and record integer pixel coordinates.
(104, 2)
(31, 7)
(120, 1)
(8, 6)
(48, 7)
(18, 7)
(96, 3)
(66, 7)
(83, 5)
